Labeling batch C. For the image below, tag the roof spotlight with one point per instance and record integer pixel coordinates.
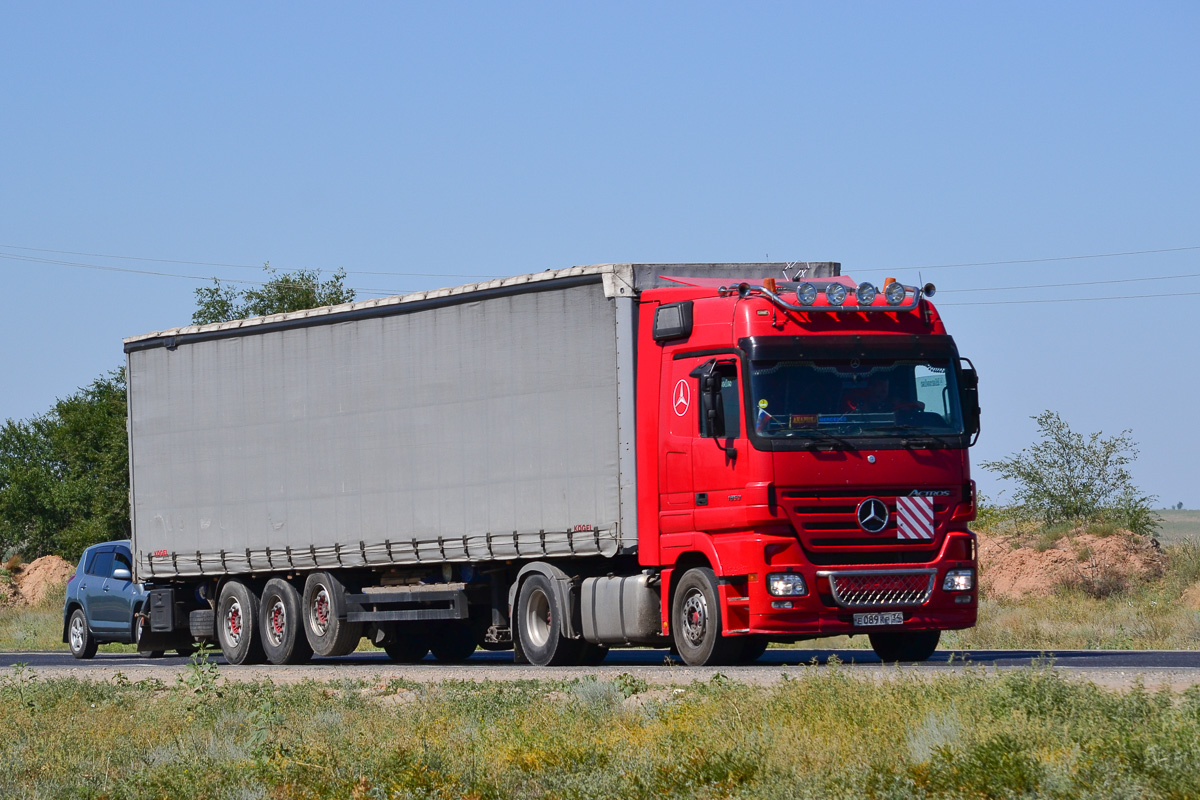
(894, 293)
(806, 293)
(835, 293)
(866, 293)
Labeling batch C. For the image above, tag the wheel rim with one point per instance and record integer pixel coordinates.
(537, 618)
(277, 623)
(318, 612)
(76, 633)
(695, 617)
(234, 624)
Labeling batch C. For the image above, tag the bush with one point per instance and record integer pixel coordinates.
(1069, 478)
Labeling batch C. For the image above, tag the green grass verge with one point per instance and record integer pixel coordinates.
(826, 734)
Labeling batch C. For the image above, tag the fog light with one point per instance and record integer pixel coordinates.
(894, 293)
(786, 584)
(781, 604)
(866, 293)
(806, 293)
(959, 580)
(835, 293)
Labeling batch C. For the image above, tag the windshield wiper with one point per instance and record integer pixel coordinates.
(817, 438)
(918, 433)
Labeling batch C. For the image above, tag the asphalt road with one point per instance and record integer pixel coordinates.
(1114, 668)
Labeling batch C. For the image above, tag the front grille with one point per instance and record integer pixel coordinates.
(868, 557)
(880, 588)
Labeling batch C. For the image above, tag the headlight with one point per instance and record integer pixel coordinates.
(806, 293)
(894, 293)
(866, 294)
(959, 580)
(835, 293)
(786, 584)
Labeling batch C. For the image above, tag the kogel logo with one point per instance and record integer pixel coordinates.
(872, 515)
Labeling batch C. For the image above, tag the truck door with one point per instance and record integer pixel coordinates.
(720, 455)
(678, 415)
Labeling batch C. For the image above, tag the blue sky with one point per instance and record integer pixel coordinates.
(480, 139)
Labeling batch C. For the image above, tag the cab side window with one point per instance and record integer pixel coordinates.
(101, 565)
(728, 423)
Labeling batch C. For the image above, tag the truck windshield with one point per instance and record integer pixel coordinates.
(855, 398)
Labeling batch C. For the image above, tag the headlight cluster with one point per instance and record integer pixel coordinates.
(786, 584)
(959, 580)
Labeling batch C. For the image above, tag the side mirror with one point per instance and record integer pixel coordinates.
(970, 400)
(710, 396)
(122, 574)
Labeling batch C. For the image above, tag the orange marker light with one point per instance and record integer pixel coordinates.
(769, 285)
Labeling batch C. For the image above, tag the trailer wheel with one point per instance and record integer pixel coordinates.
(283, 637)
(696, 621)
(904, 645)
(329, 634)
(83, 644)
(452, 642)
(408, 643)
(542, 642)
(237, 624)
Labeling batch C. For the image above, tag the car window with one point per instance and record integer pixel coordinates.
(89, 560)
(102, 565)
(121, 559)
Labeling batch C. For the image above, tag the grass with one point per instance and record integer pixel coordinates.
(40, 627)
(826, 734)
(1178, 525)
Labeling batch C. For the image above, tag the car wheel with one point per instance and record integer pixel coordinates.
(83, 644)
(408, 643)
(539, 627)
(452, 642)
(904, 645)
(237, 624)
(696, 621)
(328, 633)
(283, 637)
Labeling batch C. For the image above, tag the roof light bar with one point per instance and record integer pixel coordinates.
(898, 296)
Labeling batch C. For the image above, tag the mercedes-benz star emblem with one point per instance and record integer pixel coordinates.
(872, 515)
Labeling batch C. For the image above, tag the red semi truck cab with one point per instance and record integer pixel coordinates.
(803, 446)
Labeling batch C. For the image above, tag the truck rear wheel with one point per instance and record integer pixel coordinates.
(283, 637)
(452, 642)
(539, 627)
(407, 643)
(237, 624)
(324, 623)
(904, 645)
(696, 621)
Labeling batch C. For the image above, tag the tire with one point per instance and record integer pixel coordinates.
(904, 645)
(139, 631)
(328, 634)
(283, 638)
(407, 643)
(592, 655)
(79, 636)
(538, 625)
(696, 621)
(238, 624)
(752, 649)
(452, 642)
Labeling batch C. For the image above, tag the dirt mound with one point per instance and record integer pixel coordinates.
(1191, 596)
(37, 579)
(1100, 565)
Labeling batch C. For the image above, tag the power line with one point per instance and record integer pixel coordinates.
(1069, 299)
(1079, 283)
(1036, 260)
(235, 266)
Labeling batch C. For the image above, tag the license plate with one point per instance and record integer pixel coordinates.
(881, 618)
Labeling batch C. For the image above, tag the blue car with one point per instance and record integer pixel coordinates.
(103, 602)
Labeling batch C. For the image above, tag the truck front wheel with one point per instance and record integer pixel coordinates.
(237, 624)
(539, 626)
(283, 635)
(904, 645)
(328, 632)
(696, 621)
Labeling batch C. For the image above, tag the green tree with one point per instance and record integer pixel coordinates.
(1069, 477)
(282, 292)
(64, 479)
